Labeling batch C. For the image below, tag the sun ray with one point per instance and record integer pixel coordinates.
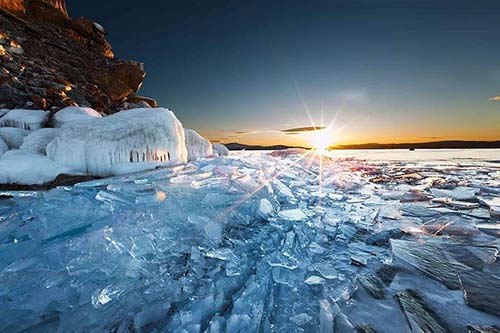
(320, 179)
(303, 101)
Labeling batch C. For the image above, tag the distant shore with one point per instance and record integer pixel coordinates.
(452, 144)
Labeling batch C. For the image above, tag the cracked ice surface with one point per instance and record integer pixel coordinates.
(259, 242)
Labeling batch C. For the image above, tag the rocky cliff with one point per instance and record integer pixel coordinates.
(49, 61)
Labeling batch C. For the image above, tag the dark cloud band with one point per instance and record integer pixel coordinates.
(303, 129)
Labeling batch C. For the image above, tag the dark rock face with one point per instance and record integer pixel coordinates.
(50, 61)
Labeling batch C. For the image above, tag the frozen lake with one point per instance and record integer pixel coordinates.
(420, 154)
(286, 241)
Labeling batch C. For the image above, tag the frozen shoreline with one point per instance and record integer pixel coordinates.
(82, 143)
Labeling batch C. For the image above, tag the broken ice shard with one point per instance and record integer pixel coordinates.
(419, 317)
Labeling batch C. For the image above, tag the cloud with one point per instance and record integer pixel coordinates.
(302, 129)
(288, 131)
(356, 96)
(494, 98)
(244, 132)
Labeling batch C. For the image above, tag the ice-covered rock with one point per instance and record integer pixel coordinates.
(25, 119)
(197, 146)
(3, 147)
(4, 112)
(13, 137)
(37, 141)
(26, 168)
(101, 146)
(73, 113)
(220, 149)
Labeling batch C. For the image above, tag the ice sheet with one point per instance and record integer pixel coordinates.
(256, 242)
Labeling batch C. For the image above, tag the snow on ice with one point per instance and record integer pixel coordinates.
(73, 113)
(269, 242)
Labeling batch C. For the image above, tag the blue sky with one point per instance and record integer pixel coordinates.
(386, 71)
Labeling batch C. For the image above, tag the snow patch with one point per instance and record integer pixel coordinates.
(99, 27)
(13, 137)
(26, 168)
(37, 141)
(25, 119)
(96, 146)
(74, 113)
(197, 146)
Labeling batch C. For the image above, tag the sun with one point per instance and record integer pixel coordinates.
(321, 139)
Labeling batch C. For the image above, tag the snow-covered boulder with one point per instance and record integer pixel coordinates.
(197, 146)
(25, 119)
(3, 147)
(101, 146)
(13, 137)
(73, 113)
(26, 168)
(37, 141)
(220, 149)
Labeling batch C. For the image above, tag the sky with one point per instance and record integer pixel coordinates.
(370, 71)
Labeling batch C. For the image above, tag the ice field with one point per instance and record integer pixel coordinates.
(285, 241)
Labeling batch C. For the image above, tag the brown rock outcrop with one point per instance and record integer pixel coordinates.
(49, 61)
(49, 11)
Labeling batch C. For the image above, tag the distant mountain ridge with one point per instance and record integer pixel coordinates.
(450, 144)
